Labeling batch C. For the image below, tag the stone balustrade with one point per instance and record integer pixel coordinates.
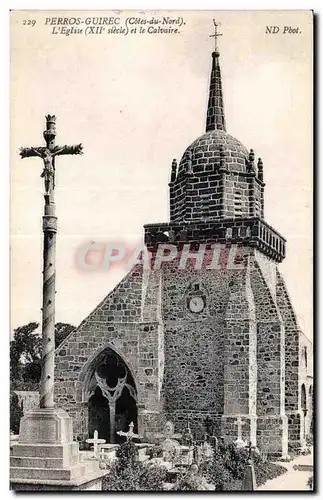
(249, 231)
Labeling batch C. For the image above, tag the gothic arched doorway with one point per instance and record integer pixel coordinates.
(112, 404)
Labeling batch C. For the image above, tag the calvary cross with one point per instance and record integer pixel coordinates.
(216, 34)
(48, 153)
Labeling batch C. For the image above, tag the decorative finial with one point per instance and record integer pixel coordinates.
(215, 36)
(50, 118)
(50, 132)
(251, 160)
(189, 163)
(260, 166)
(174, 170)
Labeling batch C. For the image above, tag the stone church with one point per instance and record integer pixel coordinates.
(198, 344)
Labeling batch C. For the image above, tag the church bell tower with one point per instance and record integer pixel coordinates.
(223, 327)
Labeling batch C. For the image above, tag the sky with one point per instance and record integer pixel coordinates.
(136, 102)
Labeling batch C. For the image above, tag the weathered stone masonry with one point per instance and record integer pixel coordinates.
(243, 352)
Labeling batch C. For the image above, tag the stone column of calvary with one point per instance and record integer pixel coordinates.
(48, 154)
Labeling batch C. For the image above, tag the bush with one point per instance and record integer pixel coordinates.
(309, 440)
(268, 470)
(192, 482)
(128, 474)
(217, 472)
(227, 470)
(127, 456)
(310, 482)
(15, 413)
(152, 477)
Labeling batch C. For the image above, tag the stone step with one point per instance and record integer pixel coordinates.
(76, 471)
(303, 467)
(43, 462)
(67, 450)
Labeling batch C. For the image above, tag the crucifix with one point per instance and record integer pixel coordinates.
(216, 34)
(48, 153)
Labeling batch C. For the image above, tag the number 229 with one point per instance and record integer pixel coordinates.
(29, 22)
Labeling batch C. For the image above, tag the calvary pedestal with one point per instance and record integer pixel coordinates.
(47, 458)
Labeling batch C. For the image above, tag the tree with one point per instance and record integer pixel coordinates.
(25, 351)
(62, 330)
(15, 413)
(127, 473)
(25, 363)
(25, 354)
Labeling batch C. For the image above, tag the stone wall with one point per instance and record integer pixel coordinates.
(272, 432)
(292, 381)
(115, 323)
(193, 379)
(227, 360)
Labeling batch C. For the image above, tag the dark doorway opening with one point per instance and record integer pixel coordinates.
(112, 405)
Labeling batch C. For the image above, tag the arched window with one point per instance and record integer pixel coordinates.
(303, 397)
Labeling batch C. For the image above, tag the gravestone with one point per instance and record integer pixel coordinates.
(170, 446)
(204, 452)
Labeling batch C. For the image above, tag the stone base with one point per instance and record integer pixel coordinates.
(90, 482)
(45, 457)
(296, 434)
(272, 435)
(54, 456)
(46, 426)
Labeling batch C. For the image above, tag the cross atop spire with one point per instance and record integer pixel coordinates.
(215, 119)
(216, 34)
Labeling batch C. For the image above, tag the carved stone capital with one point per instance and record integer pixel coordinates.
(49, 223)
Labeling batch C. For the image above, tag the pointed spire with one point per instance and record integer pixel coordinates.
(215, 119)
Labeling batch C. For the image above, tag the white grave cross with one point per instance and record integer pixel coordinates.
(130, 434)
(240, 423)
(96, 444)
